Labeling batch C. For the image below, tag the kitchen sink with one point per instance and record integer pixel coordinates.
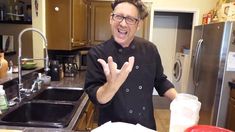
(38, 114)
(60, 94)
(53, 107)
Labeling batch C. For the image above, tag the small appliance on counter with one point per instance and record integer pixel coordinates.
(82, 55)
(55, 70)
(70, 69)
(70, 66)
(72, 62)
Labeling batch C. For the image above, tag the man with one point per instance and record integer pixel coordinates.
(122, 87)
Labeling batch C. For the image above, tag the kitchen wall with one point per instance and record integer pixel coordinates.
(197, 7)
(202, 6)
(38, 22)
(15, 29)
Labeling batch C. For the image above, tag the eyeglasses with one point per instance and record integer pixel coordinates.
(128, 19)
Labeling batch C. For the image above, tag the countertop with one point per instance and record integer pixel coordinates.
(11, 76)
(77, 81)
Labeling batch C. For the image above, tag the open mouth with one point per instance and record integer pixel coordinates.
(122, 33)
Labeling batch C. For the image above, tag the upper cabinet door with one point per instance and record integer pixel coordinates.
(58, 24)
(66, 24)
(100, 27)
(79, 23)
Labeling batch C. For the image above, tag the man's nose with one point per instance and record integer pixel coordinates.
(123, 22)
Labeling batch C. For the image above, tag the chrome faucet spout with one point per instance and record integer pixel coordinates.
(46, 58)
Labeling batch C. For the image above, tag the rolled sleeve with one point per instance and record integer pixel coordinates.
(95, 77)
(163, 86)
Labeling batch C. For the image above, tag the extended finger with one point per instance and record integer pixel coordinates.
(112, 65)
(105, 66)
(131, 61)
(127, 66)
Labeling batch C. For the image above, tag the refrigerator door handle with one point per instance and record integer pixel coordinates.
(196, 62)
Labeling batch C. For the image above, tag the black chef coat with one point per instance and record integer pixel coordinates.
(133, 101)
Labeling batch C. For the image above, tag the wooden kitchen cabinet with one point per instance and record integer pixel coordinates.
(66, 24)
(86, 120)
(231, 111)
(100, 27)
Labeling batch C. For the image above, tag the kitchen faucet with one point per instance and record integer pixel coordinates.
(46, 59)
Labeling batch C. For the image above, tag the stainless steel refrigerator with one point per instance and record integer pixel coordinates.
(209, 71)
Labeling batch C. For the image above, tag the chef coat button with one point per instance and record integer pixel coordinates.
(137, 67)
(120, 50)
(130, 111)
(133, 47)
(140, 87)
(127, 90)
(143, 108)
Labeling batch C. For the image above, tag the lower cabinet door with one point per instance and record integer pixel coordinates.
(231, 114)
(86, 120)
(81, 124)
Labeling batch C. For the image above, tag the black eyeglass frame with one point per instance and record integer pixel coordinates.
(126, 19)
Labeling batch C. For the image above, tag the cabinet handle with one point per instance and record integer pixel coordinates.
(76, 43)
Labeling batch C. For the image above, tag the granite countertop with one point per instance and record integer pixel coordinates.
(75, 82)
(11, 76)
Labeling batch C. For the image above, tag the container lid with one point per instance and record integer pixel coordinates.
(1, 89)
(206, 128)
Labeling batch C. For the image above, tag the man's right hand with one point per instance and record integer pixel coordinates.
(115, 78)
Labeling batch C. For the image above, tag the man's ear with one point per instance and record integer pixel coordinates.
(110, 18)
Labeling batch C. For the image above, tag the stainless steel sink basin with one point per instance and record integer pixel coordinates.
(51, 107)
(36, 114)
(60, 94)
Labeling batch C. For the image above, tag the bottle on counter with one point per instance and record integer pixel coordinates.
(3, 65)
(3, 99)
(10, 69)
(61, 71)
(54, 70)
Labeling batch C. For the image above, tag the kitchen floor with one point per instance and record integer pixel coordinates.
(162, 117)
(162, 113)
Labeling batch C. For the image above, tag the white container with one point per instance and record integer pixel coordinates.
(46, 80)
(3, 100)
(184, 112)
